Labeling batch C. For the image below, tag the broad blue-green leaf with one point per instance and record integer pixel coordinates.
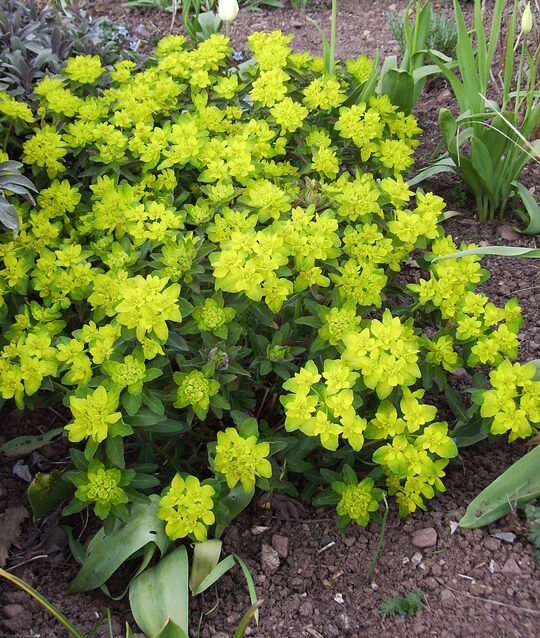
(160, 594)
(107, 553)
(22, 445)
(205, 558)
(532, 208)
(501, 251)
(519, 484)
(398, 84)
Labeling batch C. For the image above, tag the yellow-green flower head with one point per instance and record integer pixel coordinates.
(303, 379)
(360, 68)
(241, 460)
(104, 487)
(324, 94)
(435, 439)
(213, 317)
(271, 50)
(339, 321)
(357, 500)
(15, 110)
(415, 413)
(129, 374)
(289, 115)
(386, 354)
(84, 69)
(338, 376)
(147, 304)
(45, 149)
(187, 507)
(93, 416)
(195, 390)
(441, 353)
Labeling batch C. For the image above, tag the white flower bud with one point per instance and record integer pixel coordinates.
(526, 19)
(227, 10)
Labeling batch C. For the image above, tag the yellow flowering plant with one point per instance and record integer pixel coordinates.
(208, 282)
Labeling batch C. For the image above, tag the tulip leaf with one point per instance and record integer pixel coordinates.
(159, 597)
(518, 485)
(22, 445)
(105, 554)
(205, 558)
(46, 492)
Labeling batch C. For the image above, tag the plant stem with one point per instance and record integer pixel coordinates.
(58, 16)
(42, 601)
(333, 38)
(381, 537)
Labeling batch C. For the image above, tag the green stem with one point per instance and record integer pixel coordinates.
(6, 139)
(227, 28)
(58, 16)
(381, 537)
(42, 601)
(333, 37)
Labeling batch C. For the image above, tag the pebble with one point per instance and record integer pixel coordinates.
(221, 634)
(269, 559)
(306, 609)
(281, 545)
(347, 624)
(423, 538)
(448, 599)
(511, 568)
(416, 559)
(507, 232)
(296, 24)
(12, 611)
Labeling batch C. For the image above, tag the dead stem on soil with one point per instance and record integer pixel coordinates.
(527, 610)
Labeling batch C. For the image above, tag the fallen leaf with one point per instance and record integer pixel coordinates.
(10, 529)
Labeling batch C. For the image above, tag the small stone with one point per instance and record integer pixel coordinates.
(339, 598)
(306, 609)
(507, 537)
(431, 584)
(448, 599)
(221, 634)
(416, 559)
(12, 611)
(297, 24)
(374, 586)
(423, 538)
(269, 559)
(366, 33)
(349, 541)
(508, 233)
(492, 544)
(347, 624)
(511, 568)
(281, 545)
(392, 7)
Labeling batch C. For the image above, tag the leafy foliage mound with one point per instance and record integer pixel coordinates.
(213, 282)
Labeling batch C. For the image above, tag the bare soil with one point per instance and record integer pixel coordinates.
(474, 584)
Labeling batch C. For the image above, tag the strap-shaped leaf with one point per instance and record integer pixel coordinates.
(103, 558)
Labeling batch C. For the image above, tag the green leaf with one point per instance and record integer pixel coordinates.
(532, 208)
(205, 558)
(518, 485)
(502, 251)
(250, 584)
(114, 449)
(108, 553)
(160, 595)
(22, 445)
(217, 572)
(398, 84)
(46, 492)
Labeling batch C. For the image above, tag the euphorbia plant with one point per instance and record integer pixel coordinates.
(209, 283)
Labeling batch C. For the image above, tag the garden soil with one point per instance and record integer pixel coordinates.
(312, 580)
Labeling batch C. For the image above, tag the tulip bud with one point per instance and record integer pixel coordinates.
(227, 10)
(526, 19)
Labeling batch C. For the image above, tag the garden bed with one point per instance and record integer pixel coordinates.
(473, 583)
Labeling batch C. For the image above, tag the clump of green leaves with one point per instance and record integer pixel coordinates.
(207, 282)
(441, 36)
(409, 605)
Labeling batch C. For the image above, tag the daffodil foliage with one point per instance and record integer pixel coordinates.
(215, 281)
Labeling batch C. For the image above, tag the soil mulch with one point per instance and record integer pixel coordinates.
(473, 583)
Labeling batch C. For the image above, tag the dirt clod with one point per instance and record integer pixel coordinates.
(511, 568)
(281, 545)
(448, 600)
(269, 559)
